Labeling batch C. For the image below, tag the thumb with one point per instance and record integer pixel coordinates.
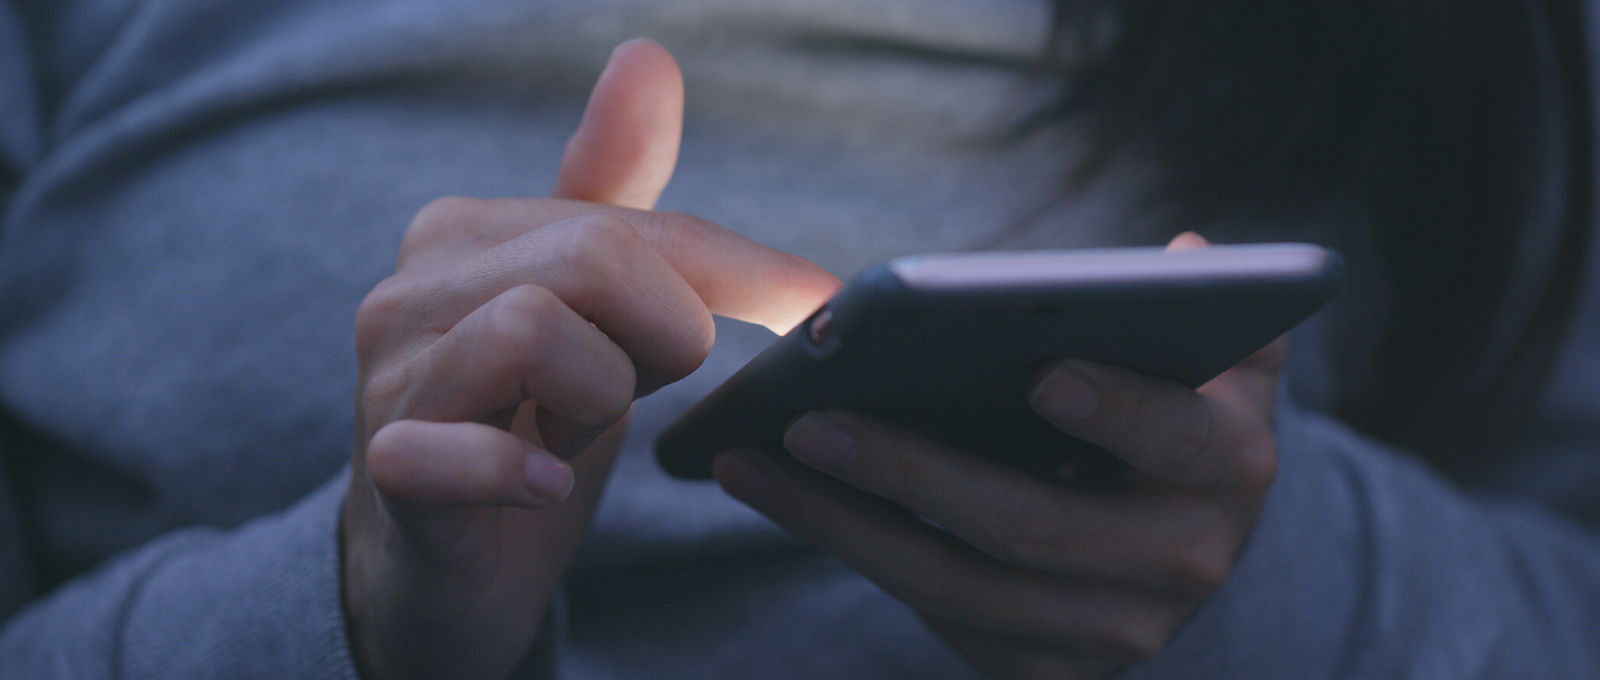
(627, 144)
(1187, 241)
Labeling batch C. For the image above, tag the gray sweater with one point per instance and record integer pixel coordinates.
(198, 194)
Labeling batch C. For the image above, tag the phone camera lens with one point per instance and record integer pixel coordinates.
(821, 328)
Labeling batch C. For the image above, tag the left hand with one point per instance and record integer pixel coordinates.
(1024, 576)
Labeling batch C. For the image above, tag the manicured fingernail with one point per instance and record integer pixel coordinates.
(746, 475)
(547, 477)
(820, 440)
(1065, 397)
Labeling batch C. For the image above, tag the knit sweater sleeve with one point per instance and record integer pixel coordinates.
(260, 601)
(1364, 564)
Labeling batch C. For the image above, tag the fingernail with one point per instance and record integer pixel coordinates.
(747, 475)
(1187, 241)
(547, 477)
(1065, 397)
(820, 440)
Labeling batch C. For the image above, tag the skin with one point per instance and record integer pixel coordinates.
(498, 365)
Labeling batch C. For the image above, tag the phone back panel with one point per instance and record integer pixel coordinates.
(957, 363)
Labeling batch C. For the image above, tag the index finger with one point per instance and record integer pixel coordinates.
(733, 275)
(623, 153)
(737, 277)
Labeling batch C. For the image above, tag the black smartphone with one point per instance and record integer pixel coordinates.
(948, 344)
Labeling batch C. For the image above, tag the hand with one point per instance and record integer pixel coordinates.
(498, 364)
(1028, 577)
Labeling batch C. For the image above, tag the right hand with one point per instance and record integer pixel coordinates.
(512, 339)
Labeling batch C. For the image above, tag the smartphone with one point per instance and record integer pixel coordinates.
(948, 344)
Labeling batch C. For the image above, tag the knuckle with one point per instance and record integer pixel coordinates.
(376, 315)
(592, 249)
(438, 218)
(530, 303)
(1029, 533)
(401, 305)
(519, 323)
(404, 309)
(601, 242)
(446, 210)
(523, 342)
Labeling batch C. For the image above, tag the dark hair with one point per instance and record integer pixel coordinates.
(1425, 115)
